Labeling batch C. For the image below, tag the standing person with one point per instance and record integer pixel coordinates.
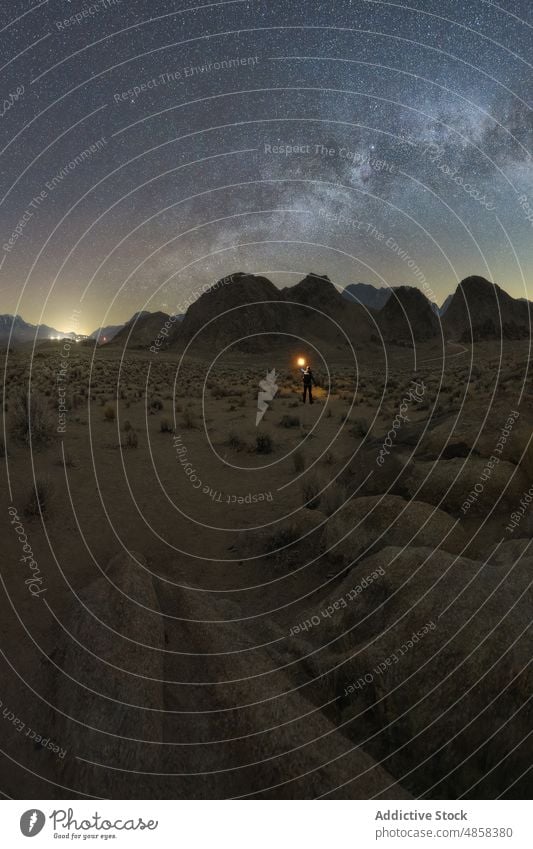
(309, 380)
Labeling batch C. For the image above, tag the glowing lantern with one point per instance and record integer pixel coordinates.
(301, 362)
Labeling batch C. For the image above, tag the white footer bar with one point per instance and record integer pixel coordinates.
(268, 824)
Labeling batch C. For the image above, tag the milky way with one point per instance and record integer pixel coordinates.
(150, 147)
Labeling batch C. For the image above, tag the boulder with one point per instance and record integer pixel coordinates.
(437, 677)
(365, 525)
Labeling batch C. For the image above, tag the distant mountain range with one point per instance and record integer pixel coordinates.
(15, 331)
(367, 295)
(377, 296)
(243, 310)
(249, 310)
(21, 331)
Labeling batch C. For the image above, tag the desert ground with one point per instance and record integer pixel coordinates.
(333, 603)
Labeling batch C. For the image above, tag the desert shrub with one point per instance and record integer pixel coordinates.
(263, 444)
(298, 461)
(39, 497)
(30, 419)
(166, 426)
(132, 440)
(219, 392)
(235, 441)
(127, 425)
(281, 543)
(289, 421)
(156, 404)
(188, 420)
(2, 448)
(109, 413)
(67, 460)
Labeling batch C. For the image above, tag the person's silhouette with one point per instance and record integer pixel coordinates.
(309, 380)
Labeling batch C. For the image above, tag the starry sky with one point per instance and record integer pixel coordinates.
(150, 147)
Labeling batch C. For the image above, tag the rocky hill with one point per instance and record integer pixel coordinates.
(141, 330)
(482, 310)
(248, 311)
(408, 317)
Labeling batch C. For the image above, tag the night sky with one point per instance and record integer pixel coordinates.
(150, 147)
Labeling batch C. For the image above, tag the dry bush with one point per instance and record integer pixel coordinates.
(359, 428)
(263, 444)
(67, 460)
(39, 498)
(30, 419)
(109, 413)
(218, 392)
(281, 545)
(188, 420)
(132, 440)
(166, 426)
(289, 421)
(235, 441)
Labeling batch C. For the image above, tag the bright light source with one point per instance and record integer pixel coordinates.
(301, 361)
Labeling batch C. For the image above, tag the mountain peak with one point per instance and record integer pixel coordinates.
(480, 309)
(314, 288)
(476, 285)
(408, 316)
